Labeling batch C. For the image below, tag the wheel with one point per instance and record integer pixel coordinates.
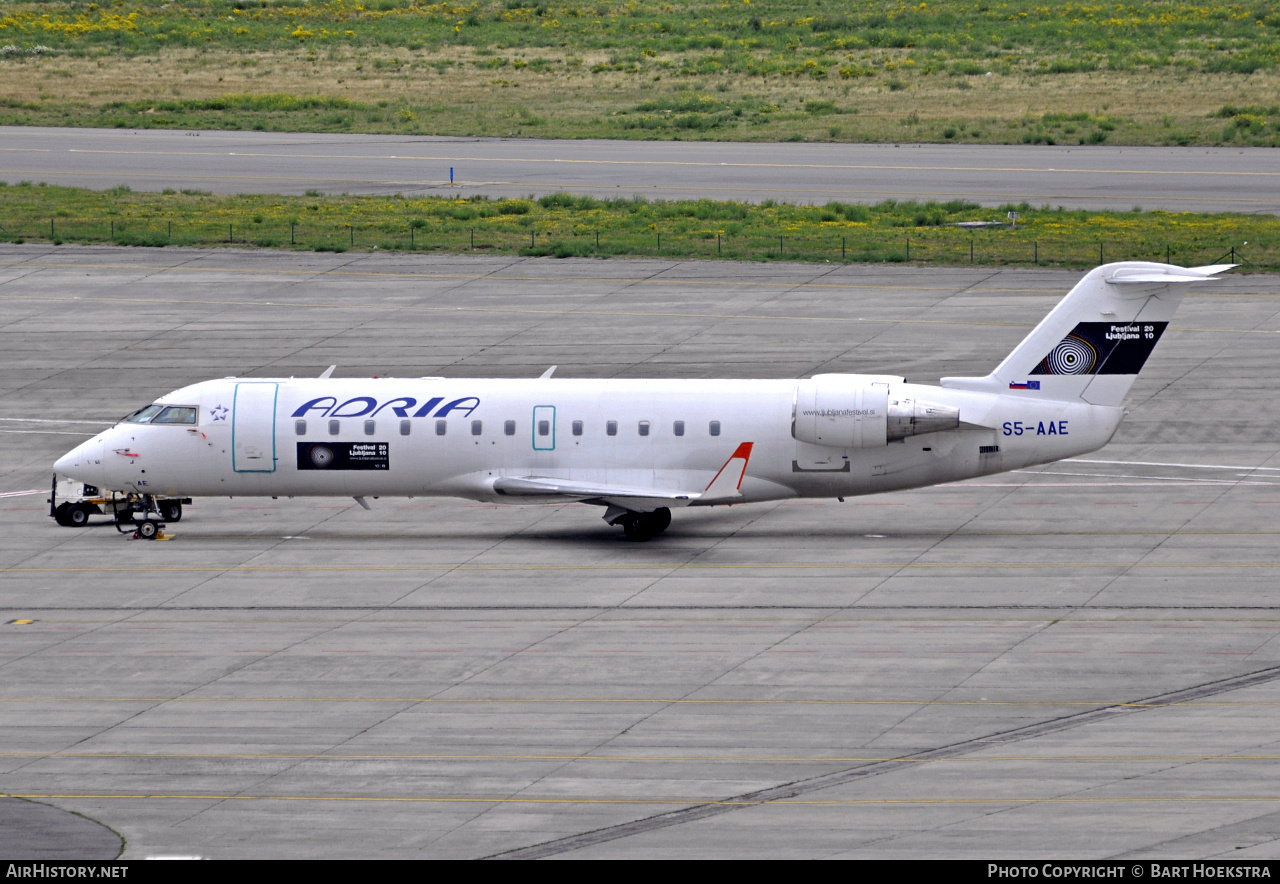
(659, 520)
(636, 529)
(148, 530)
(171, 510)
(77, 516)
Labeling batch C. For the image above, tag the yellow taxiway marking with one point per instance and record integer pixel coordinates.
(752, 759)
(469, 799)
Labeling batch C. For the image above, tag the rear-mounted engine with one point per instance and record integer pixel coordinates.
(841, 411)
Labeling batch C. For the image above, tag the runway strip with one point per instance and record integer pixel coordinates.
(1095, 177)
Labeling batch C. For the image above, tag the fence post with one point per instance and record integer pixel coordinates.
(659, 240)
(1036, 260)
(171, 232)
(51, 233)
(531, 239)
(1100, 260)
(473, 239)
(113, 229)
(413, 238)
(597, 240)
(351, 229)
(292, 241)
(717, 243)
(908, 248)
(779, 246)
(231, 233)
(1168, 253)
(842, 248)
(1233, 254)
(970, 248)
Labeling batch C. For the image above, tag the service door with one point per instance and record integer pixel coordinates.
(544, 428)
(253, 428)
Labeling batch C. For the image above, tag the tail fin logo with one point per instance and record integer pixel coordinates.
(1102, 348)
(1072, 356)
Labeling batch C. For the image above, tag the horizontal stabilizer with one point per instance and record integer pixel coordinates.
(1165, 275)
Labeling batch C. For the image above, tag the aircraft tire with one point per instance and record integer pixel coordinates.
(148, 530)
(636, 529)
(171, 510)
(659, 520)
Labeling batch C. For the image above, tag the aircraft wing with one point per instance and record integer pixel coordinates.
(723, 488)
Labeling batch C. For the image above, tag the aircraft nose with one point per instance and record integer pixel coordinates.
(83, 462)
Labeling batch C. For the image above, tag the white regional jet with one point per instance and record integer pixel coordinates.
(638, 448)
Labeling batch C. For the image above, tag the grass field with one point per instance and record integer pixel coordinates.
(563, 225)
(1002, 71)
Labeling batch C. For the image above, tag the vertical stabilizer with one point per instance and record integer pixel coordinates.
(1093, 344)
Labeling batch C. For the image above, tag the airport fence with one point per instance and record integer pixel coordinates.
(925, 245)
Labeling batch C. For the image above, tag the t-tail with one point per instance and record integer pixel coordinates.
(1093, 344)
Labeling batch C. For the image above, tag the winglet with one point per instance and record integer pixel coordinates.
(327, 373)
(729, 479)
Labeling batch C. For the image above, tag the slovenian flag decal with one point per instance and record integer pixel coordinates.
(1025, 385)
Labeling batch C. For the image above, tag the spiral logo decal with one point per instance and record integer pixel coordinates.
(321, 456)
(1072, 356)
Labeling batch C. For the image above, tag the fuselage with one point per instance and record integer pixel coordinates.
(375, 437)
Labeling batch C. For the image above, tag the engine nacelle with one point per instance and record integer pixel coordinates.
(911, 417)
(842, 411)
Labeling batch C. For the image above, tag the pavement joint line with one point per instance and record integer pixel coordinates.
(754, 759)
(698, 802)
(834, 566)
(676, 701)
(792, 790)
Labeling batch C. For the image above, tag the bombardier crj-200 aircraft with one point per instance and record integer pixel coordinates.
(639, 448)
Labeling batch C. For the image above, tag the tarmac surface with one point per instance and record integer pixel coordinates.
(1080, 660)
(1096, 177)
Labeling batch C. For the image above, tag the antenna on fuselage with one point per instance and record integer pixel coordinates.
(327, 373)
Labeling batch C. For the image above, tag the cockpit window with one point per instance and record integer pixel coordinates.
(176, 414)
(144, 415)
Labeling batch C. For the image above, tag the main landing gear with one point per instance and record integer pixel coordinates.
(639, 527)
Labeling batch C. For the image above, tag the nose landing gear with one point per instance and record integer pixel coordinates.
(640, 527)
(142, 514)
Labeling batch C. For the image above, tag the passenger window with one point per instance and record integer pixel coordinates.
(404, 427)
(611, 428)
(300, 428)
(577, 428)
(369, 427)
(678, 428)
(715, 428)
(476, 428)
(441, 427)
(544, 428)
(509, 428)
(334, 427)
(176, 414)
(644, 428)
